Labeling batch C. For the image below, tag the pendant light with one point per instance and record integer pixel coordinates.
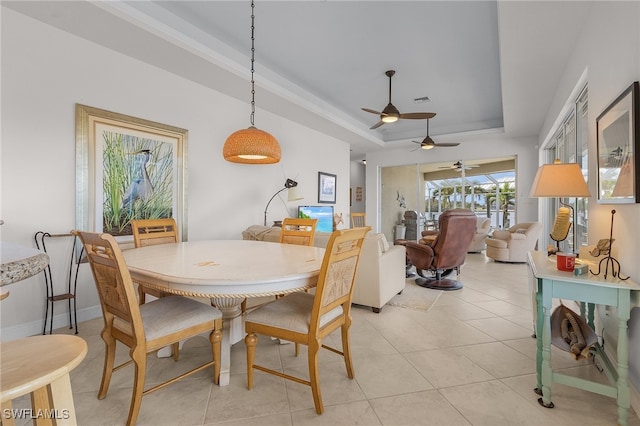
(252, 145)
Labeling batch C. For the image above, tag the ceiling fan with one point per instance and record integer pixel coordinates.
(459, 166)
(428, 143)
(390, 113)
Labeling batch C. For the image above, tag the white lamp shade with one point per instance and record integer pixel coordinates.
(559, 180)
(293, 194)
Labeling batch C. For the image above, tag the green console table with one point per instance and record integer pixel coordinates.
(593, 290)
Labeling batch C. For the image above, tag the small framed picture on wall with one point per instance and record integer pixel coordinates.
(326, 188)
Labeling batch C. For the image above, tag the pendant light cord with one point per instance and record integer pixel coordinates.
(253, 50)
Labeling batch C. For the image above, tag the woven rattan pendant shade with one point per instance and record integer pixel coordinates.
(251, 146)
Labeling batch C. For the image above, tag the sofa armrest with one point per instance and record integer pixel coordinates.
(500, 234)
(380, 275)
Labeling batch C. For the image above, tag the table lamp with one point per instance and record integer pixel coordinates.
(293, 195)
(560, 180)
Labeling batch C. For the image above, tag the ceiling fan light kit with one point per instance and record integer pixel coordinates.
(252, 145)
(428, 143)
(390, 113)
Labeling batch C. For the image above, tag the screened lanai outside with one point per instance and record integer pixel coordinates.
(487, 187)
(488, 195)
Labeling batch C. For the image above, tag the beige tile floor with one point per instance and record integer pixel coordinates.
(468, 360)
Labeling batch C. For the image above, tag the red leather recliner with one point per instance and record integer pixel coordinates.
(446, 253)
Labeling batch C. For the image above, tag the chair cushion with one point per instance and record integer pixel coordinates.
(292, 312)
(171, 314)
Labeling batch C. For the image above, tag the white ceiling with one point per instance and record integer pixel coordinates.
(485, 65)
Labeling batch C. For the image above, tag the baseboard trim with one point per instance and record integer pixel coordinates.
(35, 327)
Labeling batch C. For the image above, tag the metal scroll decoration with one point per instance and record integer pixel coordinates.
(609, 261)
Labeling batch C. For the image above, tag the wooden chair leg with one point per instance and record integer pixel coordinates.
(346, 350)
(140, 361)
(314, 348)
(7, 407)
(107, 370)
(175, 350)
(141, 295)
(250, 340)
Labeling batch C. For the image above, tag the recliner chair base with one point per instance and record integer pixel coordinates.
(439, 284)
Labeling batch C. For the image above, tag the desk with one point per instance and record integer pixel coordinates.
(227, 272)
(552, 283)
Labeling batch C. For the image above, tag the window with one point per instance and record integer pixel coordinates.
(569, 144)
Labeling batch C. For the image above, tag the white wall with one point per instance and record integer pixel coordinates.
(357, 180)
(609, 49)
(45, 72)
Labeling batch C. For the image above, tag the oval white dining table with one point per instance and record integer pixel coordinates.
(227, 271)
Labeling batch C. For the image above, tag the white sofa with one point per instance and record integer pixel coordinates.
(272, 234)
(483, 226)
(381, 272)
(513, 244)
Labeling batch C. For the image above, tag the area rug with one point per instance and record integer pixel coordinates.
(415, 297)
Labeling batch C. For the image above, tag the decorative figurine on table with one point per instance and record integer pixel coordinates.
(337, 220)
(609, 260)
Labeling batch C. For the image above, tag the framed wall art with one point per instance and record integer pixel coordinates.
(326, 188)
(618, 144)
(128, 168)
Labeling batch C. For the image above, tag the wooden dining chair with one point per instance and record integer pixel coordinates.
(149, 232)
(298, 231)
(306, 319)
(357, 220)
(143, 328)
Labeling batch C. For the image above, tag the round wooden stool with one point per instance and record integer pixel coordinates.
(40, 365)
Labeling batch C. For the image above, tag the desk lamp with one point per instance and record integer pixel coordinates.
(293, 195)
(560, 180)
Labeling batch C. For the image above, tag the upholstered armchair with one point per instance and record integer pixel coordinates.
(446, 252)
(483, 225)
(513, 244)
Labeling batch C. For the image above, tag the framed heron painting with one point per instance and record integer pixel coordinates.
(127, 168)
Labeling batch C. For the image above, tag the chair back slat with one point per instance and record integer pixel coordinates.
(338, 273)
(113, 281)
(298, 231)
(148, 232)
(357, 220)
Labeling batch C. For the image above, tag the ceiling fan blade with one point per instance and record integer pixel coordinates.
(447, 144)
(418, 142)
(378, 124)
(417, 115)
(371, 111)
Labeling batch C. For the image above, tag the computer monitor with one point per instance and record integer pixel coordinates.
(324, 214)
